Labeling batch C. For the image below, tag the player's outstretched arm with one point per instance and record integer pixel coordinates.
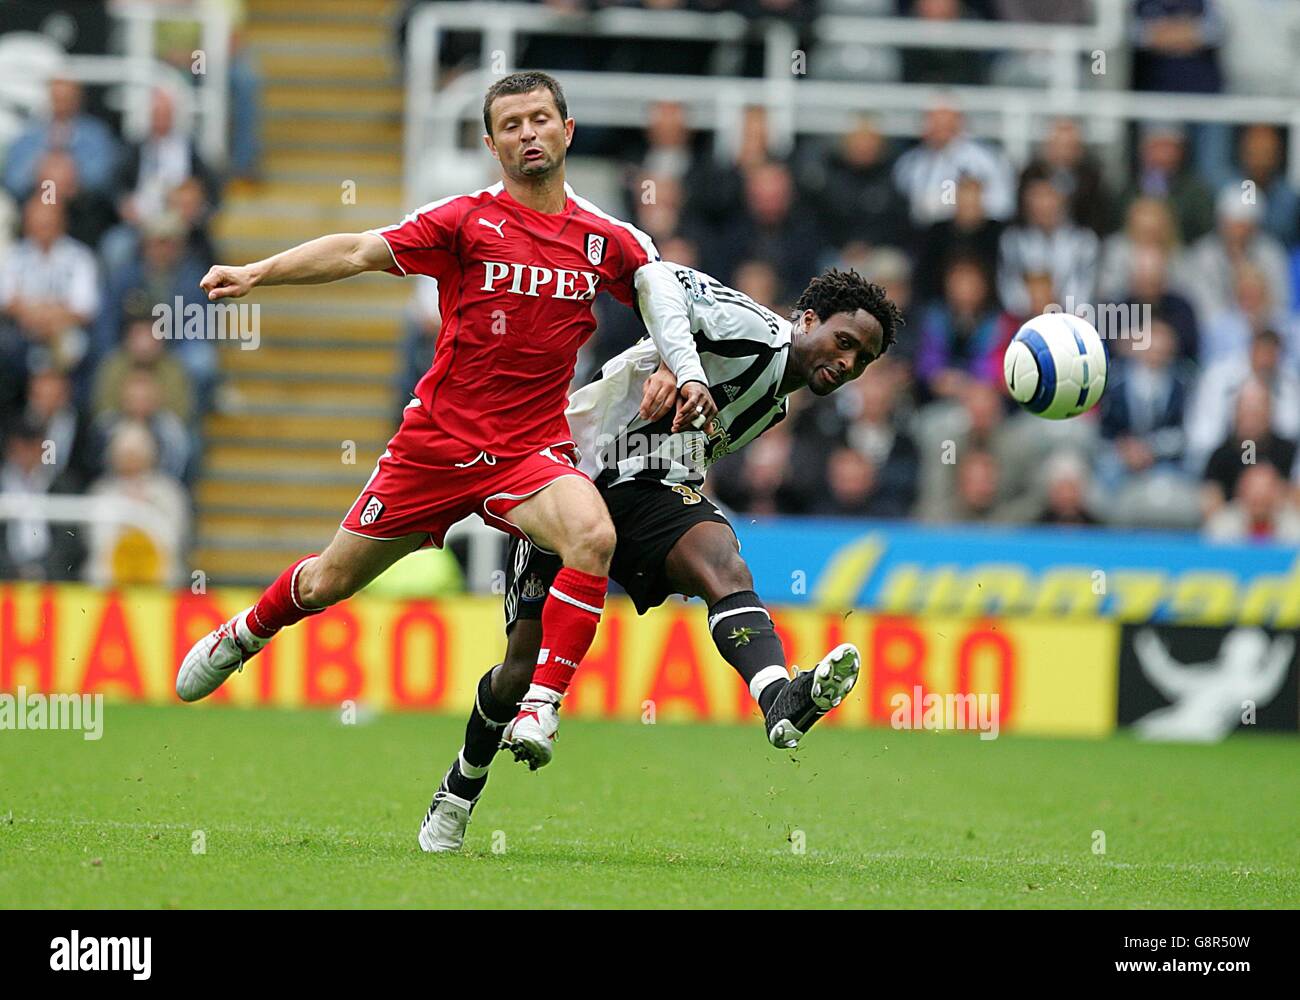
(665, 310)
(327, 258)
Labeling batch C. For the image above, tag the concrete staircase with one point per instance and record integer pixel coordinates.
(274, 483)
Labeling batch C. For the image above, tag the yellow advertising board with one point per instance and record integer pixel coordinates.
(1053, 676)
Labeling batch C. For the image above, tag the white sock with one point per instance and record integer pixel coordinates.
(764, 679)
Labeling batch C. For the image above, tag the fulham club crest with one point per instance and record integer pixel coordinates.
(370, 514)
(595, 248)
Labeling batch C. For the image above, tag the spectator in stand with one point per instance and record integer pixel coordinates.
(179, 39)
(158, 163)
(885, 464)
(1252, 442)
(758, 279)
(657, 205)
(150, 171)
(1260, 153)
(773, 227)
(978, 482)
(1076, 173)
(1176, 46)
(852, 488)
(961, 337)
(1149, 222)
(1210, 266)
(1045, 241)
(148, 552)
(891, 269)
(1148, 285)
(942, 66)
(927, 175)
(49, 292)
(978, 424)
(670, 147)
(32, 548)
(1214, 401)
(970, 233)
(716, 195)
(1066, 480)
(141, 350)
(1142, 413)
(1259, 512)
(90, 214)
(188, 201)
(153, 284)
(1229, 331)
(1163, 173)
(855, 190)
(73, 452)
(141, 402)
(88, 140)
(1176, 50)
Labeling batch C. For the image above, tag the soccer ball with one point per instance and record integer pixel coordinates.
(1055, 366)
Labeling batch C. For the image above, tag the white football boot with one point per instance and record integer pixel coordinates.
(444, 824)
(811, 694)
(531, 734)
(216, 656)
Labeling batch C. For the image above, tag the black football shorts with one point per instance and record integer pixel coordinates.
(649, 517)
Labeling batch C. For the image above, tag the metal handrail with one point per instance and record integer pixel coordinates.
(77, 509)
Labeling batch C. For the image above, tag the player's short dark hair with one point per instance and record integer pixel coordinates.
(523, 82)
(839, 291)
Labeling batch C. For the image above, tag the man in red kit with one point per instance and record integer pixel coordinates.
(518, 266)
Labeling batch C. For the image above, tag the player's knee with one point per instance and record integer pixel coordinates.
(730, 576)
(322, 584)
(590, 545)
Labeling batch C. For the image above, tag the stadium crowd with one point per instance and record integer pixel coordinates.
(1191, 281)
(95, 233)
(1190, 265)
(1199, 247)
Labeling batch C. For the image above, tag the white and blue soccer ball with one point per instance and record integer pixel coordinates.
(1055, 366)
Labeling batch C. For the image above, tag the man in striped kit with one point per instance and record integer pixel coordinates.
(647, 459)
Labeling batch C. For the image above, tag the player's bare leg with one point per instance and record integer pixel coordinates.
(706, 563)
(496, 702)
(569, 518)
(308, 587)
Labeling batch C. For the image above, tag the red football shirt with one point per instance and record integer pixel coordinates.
(515, 289)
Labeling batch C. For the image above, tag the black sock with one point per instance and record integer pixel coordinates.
(482, 739)
(743, 632)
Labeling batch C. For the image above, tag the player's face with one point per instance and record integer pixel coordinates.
(838, 350)
(529, 137)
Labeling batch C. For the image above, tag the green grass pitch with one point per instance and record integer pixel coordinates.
(296, 809)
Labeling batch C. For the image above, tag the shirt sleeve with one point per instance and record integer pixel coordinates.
(666, 312)
(423, 242)
(636, 250)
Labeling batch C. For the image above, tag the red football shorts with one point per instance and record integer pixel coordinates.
(426, 481)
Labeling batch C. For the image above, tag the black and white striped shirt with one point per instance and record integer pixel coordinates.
(741, 349)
